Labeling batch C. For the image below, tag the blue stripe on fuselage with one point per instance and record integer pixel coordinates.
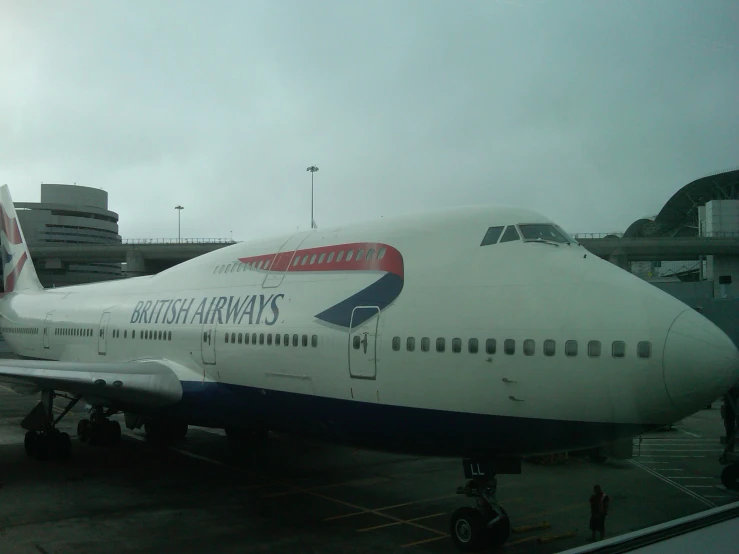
(381, 293)
(389, 428)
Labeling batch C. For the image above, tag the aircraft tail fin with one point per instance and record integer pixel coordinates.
(18, 271)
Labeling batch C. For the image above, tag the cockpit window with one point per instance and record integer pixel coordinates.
(510, 234)
(542, 231)
(492, 236)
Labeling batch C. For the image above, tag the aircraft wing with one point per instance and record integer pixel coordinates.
(150, 383)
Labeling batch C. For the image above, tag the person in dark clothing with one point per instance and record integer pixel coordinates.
(598, 511)
(729, 415)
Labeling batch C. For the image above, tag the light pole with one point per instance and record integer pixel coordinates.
(312, 170)
(179, 213)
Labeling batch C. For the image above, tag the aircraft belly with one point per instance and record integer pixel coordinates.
(387, 427)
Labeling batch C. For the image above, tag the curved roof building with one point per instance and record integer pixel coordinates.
(679, 217)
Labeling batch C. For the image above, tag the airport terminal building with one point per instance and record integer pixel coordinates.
(70, 214)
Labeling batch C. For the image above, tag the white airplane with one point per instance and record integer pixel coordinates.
(482, 333)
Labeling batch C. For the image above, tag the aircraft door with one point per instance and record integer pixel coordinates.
(282, 260)
(47, 330)
(363, 342)
(208, 342)
(103, 334)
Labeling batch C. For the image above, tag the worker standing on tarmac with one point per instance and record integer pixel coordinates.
(598, 512)
(729, 416)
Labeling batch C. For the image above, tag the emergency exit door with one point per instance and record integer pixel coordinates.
(47, 330)
(363, 342)
(103, 334)
(208, 343)
(282, 260)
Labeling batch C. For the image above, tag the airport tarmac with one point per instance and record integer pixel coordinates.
(296, 496)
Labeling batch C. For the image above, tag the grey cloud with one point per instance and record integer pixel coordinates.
(594, 113)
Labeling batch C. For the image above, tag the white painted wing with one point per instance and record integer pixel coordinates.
(150, 383)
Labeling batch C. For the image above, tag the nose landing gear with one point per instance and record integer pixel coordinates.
(474, 528)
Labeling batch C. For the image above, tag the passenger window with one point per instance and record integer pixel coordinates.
(254, 338)
(549, 347)
(330, 258)
(312, 259)
(125, 333)
(259, 265)
(160, 336)
(321, 257)
(241, 338)
(314, 341)
(295, 340)
(529, 346)
(425, 344)
(472, 346)
(277, 339)
(305, 259)
(490, 346)
(510, 234)
(644, 349)
(297, 261)
(360, 254)
(215, 270)
(492, 236)
(305, 340)
(619, 349)
(133, 334)
(356, 342)
(509, 346)
(266, 264)
(220, 269)
(169, 335)
(246, 338)
(410, 344)
(571, 348)
(456, 345)
(261, 338)
(396, 343)
(349, 255)
(286, 340)
(440, 345)
(235, 267)
(381, 253)
(370, 253)
(340, 256)
(233, 337)
(269, 339)
(594, 348)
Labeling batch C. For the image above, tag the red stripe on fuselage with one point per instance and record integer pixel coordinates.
(309, 259)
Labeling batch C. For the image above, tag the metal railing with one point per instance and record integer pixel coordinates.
(178, 241)
(715, 235)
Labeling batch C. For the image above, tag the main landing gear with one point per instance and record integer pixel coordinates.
(99, 430)
(44, 441)
(486, 524)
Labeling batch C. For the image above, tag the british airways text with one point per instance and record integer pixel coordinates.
(221, 309)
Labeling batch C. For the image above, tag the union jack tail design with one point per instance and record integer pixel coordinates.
(18, 271)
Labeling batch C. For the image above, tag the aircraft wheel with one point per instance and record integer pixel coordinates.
(499, 532)
(30, 442)
(84, 430)
(468, 530)
(62, 445)
(43, 447)
(112, 431)
(730, 477)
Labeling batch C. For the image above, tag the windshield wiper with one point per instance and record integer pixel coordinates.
(543, 241)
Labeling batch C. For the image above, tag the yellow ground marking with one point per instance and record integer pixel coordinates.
(398, 522)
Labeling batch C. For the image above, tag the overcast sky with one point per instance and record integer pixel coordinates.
(592, 112)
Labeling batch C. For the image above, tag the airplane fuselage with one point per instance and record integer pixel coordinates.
(435, 345)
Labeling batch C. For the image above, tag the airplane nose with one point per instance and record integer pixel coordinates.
(700, 362)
